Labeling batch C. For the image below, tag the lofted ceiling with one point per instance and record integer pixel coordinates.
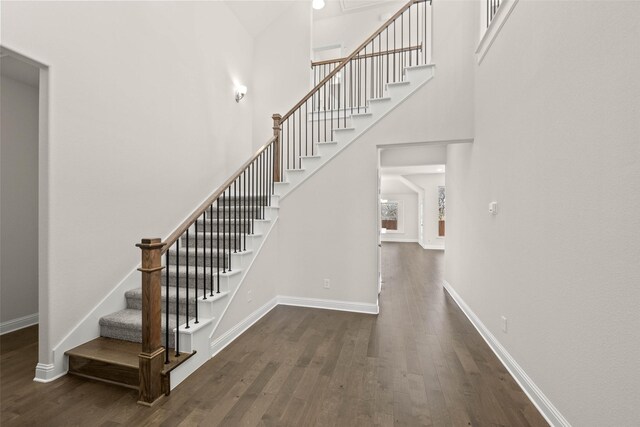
(256, 15)
(342, 7)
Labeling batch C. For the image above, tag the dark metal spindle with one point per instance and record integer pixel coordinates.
(227, 238)
(245, 217)
(166, 310)
(211, 244)
(177, 302)
(394, 50)
(235, 218)
(187, 287)
(224, 227)
(300, 136)
(324, 109)
(204, 253)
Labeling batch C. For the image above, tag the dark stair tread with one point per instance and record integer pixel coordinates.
(109, 350)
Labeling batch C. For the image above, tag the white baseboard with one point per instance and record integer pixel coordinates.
(435, 247)
(228, 337)
(19, 323)
(399, 240)
(544, 405)
(47, 373)
(356, 307)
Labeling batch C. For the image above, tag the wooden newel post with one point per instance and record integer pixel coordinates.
(151, 358)
(276, 156)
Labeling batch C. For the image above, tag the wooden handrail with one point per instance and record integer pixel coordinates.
(369, 55)
(350, 57)
(173, 237)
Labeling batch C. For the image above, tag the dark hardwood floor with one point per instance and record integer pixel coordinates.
(419, 362)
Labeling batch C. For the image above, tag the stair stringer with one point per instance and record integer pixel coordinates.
(397, 93)
(199, 339)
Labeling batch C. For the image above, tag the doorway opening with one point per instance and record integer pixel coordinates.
(23, 194)
(411, 188)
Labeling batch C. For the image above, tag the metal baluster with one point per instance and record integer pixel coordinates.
(166, 310)
(300, 136)
(204, 254)
(417, 30)
(211, 244)
(235, 218)
(227, 239)
(324, 109)
(394, 50)
(245, 216)
(177, 302)
(224, 227)
(424, 32)
(187, 288)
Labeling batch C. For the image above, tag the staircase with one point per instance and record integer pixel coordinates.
(189, 279)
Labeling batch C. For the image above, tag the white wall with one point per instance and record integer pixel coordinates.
(557, 146)
(444, 110)
(18, 200)
(329, 227)
(143, 126)
(430, 183)
(281, 59)
(414, 156)
(408, 221)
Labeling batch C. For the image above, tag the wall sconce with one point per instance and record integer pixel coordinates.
(241, 91)
(317, 4)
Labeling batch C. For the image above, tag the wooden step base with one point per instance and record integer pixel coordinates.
(116, 362)
(106, 359)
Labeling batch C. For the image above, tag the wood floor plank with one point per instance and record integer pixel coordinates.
(419, 362)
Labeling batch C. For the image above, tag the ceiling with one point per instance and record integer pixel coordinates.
(411, 170)
(343, 7)
(256, 15)
(19, 70)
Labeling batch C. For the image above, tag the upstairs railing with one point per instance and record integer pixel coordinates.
(199, 253)
(345, 88)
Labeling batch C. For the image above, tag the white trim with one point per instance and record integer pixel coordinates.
(541, 402)
(434, 247)
(228, 337)
(503, 12)
(244, 272)
(18, 323)
(400, 240)
(355, 307)
(46, 373)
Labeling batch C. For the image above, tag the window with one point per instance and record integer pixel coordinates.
(441, 210)
(390, 215)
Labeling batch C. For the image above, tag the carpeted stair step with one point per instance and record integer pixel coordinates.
(127, 325)
(134, 298)
(225, 240)
(233, 211)
(244, 200)
(206, 257)
(202, 273)
(240, 225)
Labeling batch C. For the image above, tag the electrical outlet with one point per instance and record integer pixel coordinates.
(504, 324)
(327, 284)
(249, 296)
